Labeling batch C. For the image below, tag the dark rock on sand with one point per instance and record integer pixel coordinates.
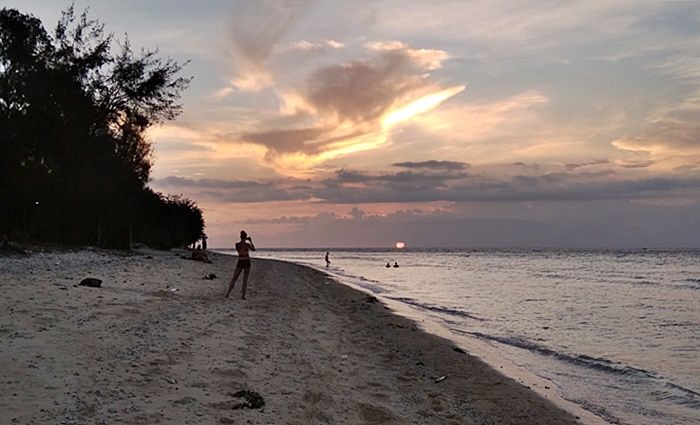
(90, 282)
(210, 276)
(249, 400)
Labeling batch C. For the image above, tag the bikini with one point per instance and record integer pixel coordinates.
(243, 262)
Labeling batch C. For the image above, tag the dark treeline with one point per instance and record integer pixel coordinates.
(74, 161)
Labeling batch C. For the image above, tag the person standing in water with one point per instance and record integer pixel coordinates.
(328, 262)
(243, 247)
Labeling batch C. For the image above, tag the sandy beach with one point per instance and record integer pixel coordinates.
(158, 343)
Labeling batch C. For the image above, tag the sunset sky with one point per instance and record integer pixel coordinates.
(450, 123)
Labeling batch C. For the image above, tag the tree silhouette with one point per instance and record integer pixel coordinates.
(74, 160)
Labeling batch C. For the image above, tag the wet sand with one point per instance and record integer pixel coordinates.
(157, 343)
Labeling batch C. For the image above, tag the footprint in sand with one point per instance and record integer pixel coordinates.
(185, 400)
(374, 414)
(230, 373)
(315, 397)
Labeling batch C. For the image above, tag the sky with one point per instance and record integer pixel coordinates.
(440, 124)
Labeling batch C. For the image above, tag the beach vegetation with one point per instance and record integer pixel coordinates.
(75, 107)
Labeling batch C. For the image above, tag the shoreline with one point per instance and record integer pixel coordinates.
(160, 344)
(473, 346)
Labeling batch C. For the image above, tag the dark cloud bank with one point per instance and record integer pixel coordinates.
(551, 210)
(433, 165)
(447, 182)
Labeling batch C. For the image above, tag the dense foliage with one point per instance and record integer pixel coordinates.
(74, 160)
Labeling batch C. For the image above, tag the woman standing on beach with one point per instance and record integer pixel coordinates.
(243, 247)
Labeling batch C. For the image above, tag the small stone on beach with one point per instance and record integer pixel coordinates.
(91, 282)
(249, 400)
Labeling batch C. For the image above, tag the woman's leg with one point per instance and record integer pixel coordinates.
(233, 280)
(246, 272)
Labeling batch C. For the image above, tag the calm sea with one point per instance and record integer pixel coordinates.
(616, 332)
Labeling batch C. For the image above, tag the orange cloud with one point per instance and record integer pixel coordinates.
(351, 107)
(672, 139)
(431, 59)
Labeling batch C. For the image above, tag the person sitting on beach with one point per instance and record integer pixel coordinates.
(243, 247)
(200, 255)
(388, 265)
(396, 265)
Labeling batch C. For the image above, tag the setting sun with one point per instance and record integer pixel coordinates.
(400, 245)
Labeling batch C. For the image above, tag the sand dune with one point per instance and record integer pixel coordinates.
(157, 343)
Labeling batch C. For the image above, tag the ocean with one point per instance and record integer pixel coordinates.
(615, 332)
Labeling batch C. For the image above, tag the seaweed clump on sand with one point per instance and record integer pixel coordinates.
(249, 400)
